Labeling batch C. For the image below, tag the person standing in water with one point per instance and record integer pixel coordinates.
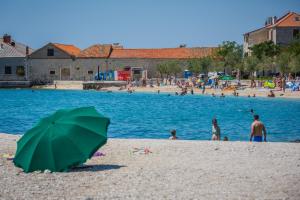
(216, 132)
(257, 128)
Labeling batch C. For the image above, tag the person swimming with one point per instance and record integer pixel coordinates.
(222, 95)
(271, 94)
(173, 135)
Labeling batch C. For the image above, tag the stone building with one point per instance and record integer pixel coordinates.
(13, 60)
(281, 31)
(67, 62)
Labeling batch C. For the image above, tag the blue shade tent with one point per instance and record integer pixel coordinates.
(105, 76)
(187, 74)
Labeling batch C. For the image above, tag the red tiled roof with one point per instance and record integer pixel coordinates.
(69, 49)
(96, 51)
(287, 20)
(176, 53)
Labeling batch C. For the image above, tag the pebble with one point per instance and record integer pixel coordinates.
(47, 171)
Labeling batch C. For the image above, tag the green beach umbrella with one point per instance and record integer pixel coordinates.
(65, 139)
(226, 78)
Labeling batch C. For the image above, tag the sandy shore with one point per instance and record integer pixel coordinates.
(259, 92)
(174, 170)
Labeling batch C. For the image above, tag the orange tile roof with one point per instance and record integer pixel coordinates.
(69, 49)
(166, 53)
(288, 20)
(96, 51)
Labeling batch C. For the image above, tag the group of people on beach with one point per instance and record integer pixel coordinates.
(258, 131)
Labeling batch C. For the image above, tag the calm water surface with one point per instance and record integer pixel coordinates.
(141, 115)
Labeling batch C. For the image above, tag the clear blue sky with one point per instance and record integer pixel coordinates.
(137, 23)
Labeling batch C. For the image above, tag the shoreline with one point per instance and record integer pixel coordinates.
(174, 170)
(18, 135)
(259, 92)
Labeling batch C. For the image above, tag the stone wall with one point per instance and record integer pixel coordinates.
(85, 68)
(13, 62)
(79, 69)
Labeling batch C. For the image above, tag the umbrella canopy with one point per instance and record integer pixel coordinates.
(65, 139)
(226, 78)
(214, 76)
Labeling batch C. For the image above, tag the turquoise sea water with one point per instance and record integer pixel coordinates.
(141, 115)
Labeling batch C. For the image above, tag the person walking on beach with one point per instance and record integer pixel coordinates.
(283, 83)
(203, 87)
(257, 128)
(216, 132)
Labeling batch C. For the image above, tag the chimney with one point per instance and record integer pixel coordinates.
(2, 46)
(6, 38)
(117, 46)
(27, 50)
(13, 44)
(182, 46)
(274, 19)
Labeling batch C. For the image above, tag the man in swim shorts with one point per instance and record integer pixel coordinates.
(257, 128)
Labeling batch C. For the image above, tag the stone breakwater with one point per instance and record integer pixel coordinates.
(163, 169)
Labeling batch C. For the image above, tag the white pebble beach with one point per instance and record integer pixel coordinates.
(174, 170)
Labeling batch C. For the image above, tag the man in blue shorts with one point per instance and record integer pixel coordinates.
(257, 128)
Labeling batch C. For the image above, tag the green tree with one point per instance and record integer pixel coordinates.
(230, 55)
(266, 64)
(174, 68)
(199, 65)
(162, 69)
(205, 63)
(194, 65)
(265, 49)
(294, 48)
(250, 64)
(283, 61)
(294, 64)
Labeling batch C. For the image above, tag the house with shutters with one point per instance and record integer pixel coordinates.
(13, 62)
(281, 31)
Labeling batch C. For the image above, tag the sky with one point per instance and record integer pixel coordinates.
(137, 23)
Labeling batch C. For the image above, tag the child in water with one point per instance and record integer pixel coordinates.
(173, 135)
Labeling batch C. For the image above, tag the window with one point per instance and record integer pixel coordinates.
(20, 71)
(297, 19)
(296, 33)
(7, 70)
(90, 72)
(50, 52)
(52, 72)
